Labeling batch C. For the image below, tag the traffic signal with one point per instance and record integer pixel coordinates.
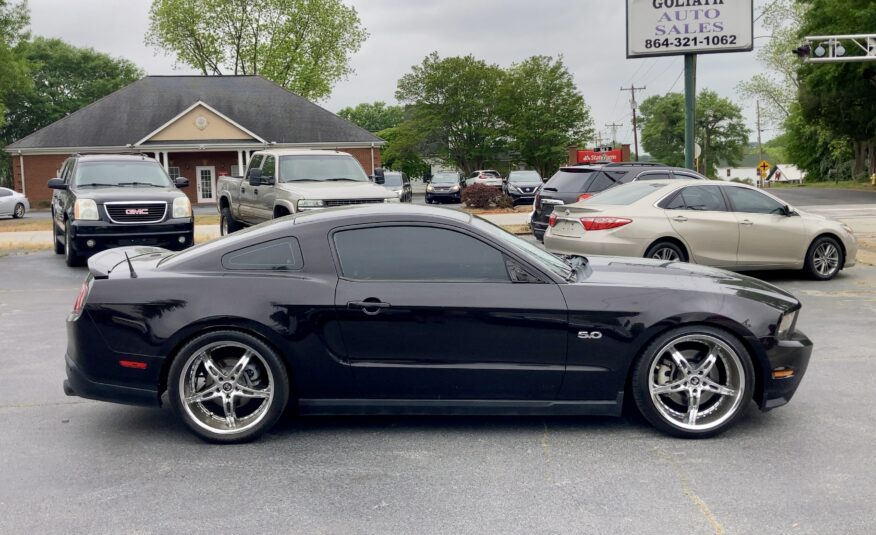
(871, 46)
(803, 51)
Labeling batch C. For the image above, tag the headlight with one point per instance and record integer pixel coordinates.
(429, 188)
(85, 210)
(454, 188)
(399, 192)
(182, 207)
(393, 199)
(786, 325)
(310, 204)
(514, 188)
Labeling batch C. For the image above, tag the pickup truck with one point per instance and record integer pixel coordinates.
(280, 182)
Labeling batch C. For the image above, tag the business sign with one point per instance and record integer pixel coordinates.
(601, 156)
(673, 27)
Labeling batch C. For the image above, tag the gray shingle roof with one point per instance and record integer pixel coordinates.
(133, 112)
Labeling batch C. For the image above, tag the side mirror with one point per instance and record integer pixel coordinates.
(255, 177)
(181, 182)
(57, 183)
(379, 176)
(789, 211)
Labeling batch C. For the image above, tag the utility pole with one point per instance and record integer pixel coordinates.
(759, 145)
(632, 89)
(690, 108)
(614, 128)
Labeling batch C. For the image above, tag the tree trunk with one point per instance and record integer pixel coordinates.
(859, 149)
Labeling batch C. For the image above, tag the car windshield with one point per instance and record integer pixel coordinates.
(445, 178)
(123, 174)
(493, 174)
(569, 181)
(524, 176)
(523, 247)
(392, 179)
(313, 168)
(625, 194)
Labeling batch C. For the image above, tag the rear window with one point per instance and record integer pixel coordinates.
(570, 181)
(625, 194)
(392, 179)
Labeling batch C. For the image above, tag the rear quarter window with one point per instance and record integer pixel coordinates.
(283, 254)
(570, 181)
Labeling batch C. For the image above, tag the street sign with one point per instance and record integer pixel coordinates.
(763, 168)
(672, 27)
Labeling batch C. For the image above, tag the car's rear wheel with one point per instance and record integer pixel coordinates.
(228, 386)
(227, 224)
(824, 259)
(666, 250)
(18, 213)
(693, 382)
(70, 256)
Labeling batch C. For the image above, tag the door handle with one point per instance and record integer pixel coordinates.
(746, 222)
(243, 190)
(255, 191)
(680, 218)
(370, 306)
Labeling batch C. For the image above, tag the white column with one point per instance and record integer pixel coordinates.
(240, 168)
(166, 162)
(21, 172)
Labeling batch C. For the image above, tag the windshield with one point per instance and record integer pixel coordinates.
(445, 178)
(126, 174)
(569, 181)
(392, 179)
(625, 194)
(523, 247)
(319, 168)
(524, 176)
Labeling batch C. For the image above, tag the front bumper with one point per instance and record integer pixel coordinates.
(174, 234)
(455, 196)
(792, 354)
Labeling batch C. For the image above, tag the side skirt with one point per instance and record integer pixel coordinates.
(460, 407)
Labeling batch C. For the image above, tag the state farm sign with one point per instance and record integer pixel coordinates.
(592, 156)
(672, 27)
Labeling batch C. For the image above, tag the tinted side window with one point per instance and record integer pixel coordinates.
(255, 163)
(417, 254)
(753, 202)
(676, 202)
(569, 181)
(662, 175)
(704, 198)
(601, 182)
(686, 176)
(5, 192)
(276, 255)
(269, 168)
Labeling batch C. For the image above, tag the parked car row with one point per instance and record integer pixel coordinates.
(13, 203)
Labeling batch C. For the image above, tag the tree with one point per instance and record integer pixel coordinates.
(720, 127)
(65, 79)
(454, 104)
(543, 112)
(374, 117)
(403, 150)
(302, 45)
(14, 21)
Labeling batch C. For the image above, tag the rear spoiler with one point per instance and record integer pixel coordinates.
(104, 263)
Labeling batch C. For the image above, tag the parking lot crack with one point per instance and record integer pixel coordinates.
(688, 491)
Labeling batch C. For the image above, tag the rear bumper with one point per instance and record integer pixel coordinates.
(174, 234)
(793, 354)
(604, 243)
(79, 384)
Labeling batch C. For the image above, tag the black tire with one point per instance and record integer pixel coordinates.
(667, 250)
(227, 224)
(18, 211)
(71, 257)
(268, 411)
(719, 410)
(824, 259)
(59, 245)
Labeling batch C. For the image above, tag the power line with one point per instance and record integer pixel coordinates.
(614, 127)
(676, 81)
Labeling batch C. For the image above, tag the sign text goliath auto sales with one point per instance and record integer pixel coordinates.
(670, 27)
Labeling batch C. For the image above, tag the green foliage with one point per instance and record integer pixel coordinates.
(374, 117)
(14, 21)
(404, 145)
(721, 130)
(65, 79)
(302, 45)
(543, 112)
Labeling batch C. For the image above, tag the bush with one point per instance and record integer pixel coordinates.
(480, 196)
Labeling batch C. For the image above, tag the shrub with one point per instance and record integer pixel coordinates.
(504, 201)
(480, 196)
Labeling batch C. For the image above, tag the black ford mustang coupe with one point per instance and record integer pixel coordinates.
(410, 309)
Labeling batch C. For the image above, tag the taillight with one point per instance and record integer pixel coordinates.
(80, 299)
(552, 221)
(584, 196)
(604, 223)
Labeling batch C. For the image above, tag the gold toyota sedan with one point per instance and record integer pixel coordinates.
(721, 224)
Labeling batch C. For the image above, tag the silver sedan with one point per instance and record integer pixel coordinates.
(13, 203)
(721, 224)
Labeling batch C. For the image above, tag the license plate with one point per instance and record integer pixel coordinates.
(567, 228)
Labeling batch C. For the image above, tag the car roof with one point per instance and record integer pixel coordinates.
(302, 152)
(380, 211)
(113, 157)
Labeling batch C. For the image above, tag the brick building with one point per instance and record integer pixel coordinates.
(198, 127)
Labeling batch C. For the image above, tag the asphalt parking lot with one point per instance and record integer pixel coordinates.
(69, 465)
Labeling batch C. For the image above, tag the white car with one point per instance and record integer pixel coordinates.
(721, 224)
(13, 203)
(485, 177)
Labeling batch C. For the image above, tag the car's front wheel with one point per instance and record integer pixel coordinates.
(18, 213)
(693, 382)
(228, 386)
(71, 257)
(227, 224)
(824, 259)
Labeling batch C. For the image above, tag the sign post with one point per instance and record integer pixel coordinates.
(763, 170)
(689, 27)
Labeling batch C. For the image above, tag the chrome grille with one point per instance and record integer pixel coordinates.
(136, 212)
(348, 202)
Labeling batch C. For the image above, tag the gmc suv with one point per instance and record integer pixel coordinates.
(106, 201)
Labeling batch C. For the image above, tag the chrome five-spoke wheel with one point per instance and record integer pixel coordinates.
(228, 387)
(694, 383)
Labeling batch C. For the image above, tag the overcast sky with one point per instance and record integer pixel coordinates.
(590, 34)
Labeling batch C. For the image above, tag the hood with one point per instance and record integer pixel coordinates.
(533, 184)
(335, 190)
(659, 274)
(124, 193)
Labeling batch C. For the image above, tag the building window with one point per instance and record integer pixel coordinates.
(173, 172)
(235, 170)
